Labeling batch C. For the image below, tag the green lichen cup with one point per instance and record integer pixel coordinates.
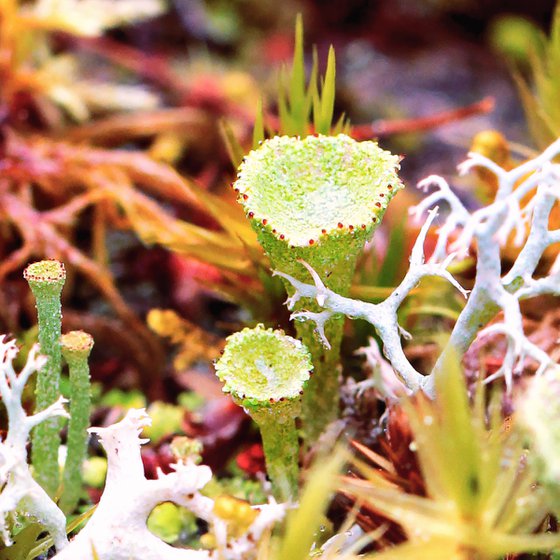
(266, 372)
(317, 199)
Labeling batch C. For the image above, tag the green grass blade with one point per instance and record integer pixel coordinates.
(258, 130)
(323, 119)
(304, 522)
(297, 81)
(234, 149)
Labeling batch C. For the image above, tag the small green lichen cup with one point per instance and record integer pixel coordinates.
(266, 372)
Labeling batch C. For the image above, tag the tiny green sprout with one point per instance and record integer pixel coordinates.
(76, 347)
(186, 449)
(46, 280)
(266, 371)
(317, 199)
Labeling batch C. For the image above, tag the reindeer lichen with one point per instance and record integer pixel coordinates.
(490, 228)
(117, 529)
(19, 491)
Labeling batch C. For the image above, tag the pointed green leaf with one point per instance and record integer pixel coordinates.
(258, 130)
(234, 149)
(324, 119)
(297, 79)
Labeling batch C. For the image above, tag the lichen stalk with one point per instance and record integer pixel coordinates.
(281, 451)
(46, 280)
(317, 199)
(76, 348)
(266, 372)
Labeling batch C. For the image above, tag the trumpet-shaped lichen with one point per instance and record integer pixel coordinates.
(266, 372)
(318, 199)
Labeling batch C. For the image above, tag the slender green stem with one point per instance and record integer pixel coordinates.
(46, 280)
(281, 451)
(320, 404)
(76, 347)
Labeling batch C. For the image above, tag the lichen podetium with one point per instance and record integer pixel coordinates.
(266, 372)
(76, 347)
(318, 199)
(46, 280)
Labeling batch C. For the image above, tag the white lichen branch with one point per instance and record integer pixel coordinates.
(383, 316)
(491, 228)
(117, 529)
(20, 492)
(383, 378)
(509, 218)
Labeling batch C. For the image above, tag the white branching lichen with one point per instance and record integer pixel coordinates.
(20, 492)
(489, 228)
(117, 529)
(383, 379)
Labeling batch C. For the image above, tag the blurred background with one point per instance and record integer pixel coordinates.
(396, 59)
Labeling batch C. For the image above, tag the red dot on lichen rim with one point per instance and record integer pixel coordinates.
(245, 196)
(311, 241)
(251, 214)
(378, 204)
(264, 222)
(323, 231)
(282, 236)
(340, 225)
